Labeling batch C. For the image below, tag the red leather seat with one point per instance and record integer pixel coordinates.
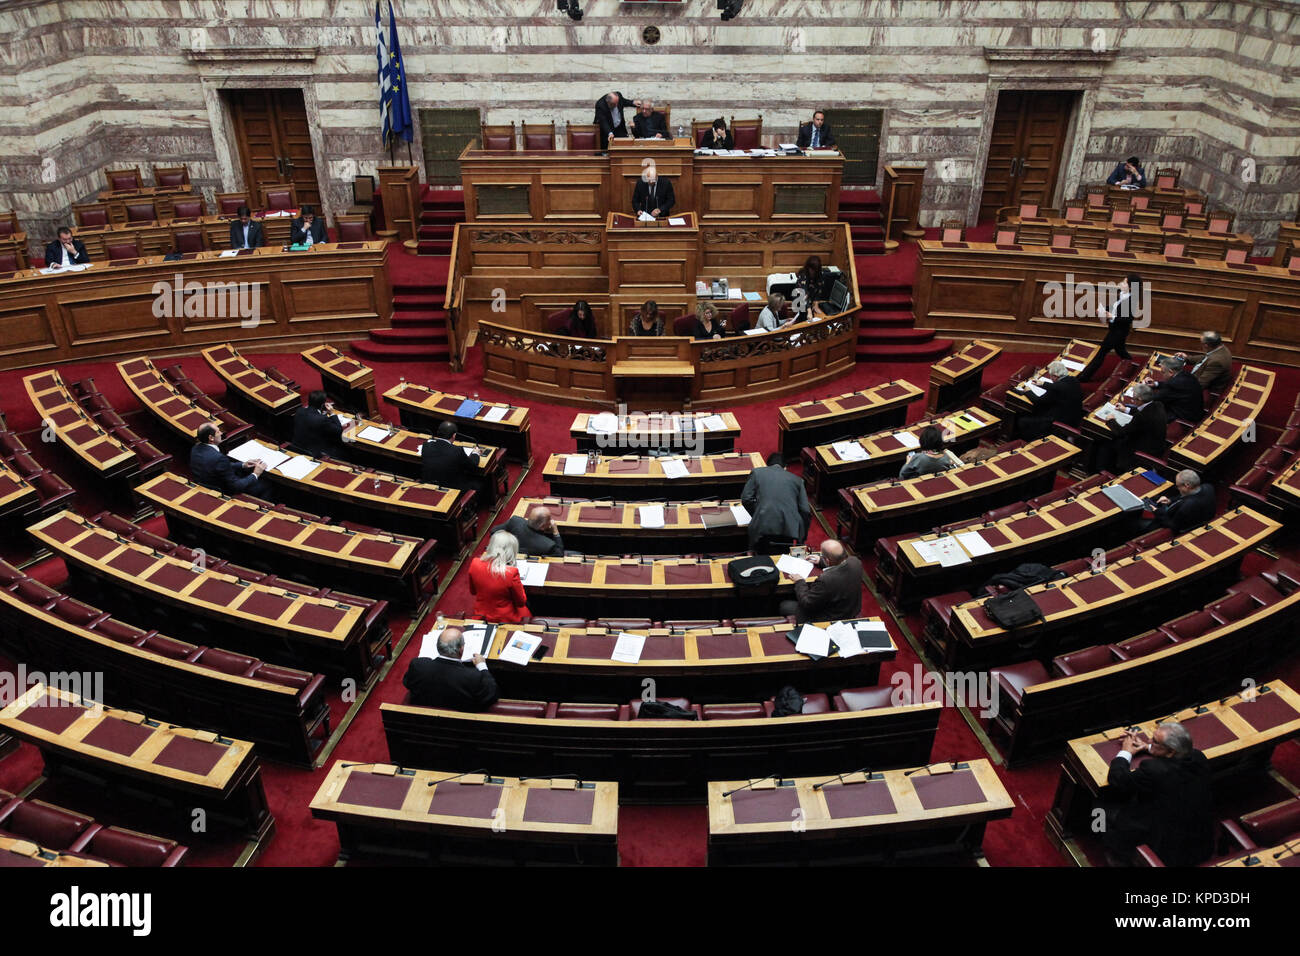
(1006, 511)
(117, 631)
(591, 712)
(9, 262)
(51, 489)
(167, 647)
(1191, 625)
(51, 827)
(111, 522)
(130, 848)
(1145, 644)
(1259, 588)
(582, 139)
(1088, 659)
(353, 231)
(153, 542)
(499, 142)
(684, 325)
(682, 625)
(218, 660)
(75, 612)
(9, 574)
(1014, 678)
(189, 240)
(1274, 824)
(535, 142)
(1234, 608)
(123, 250)
(25, 464)
(936, 611)
(187, 208)
(93, 218)
(519, 708)
(626, 623)
(1283, 574)
(741, 623)
(10, 444)
(1152, 539)
(812, 704)
(557, 322)
(1290, 438)
(279, 199)
(739, 318)
(141, 211)
(125, 181)
(869, 698)
(34, 592)
(284, 676)
(733, 711)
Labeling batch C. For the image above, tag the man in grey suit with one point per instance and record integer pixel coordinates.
(537, 534)
(777, 503)
(835, 594)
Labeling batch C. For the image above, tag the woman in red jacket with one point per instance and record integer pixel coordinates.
(499, 596)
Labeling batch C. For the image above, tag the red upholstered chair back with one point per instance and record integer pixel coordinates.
(1195, 207)
(557, 323)
(92, 218)
(582, 136)
(500, 139)
(1171, 220)
(279, 198)
(124, 179)
(739, 318)
(1140, 202)
(1062, 240)
(1006, 237)
(6, 228)
(952, 234)
(1028, 210)
(1174, 249)
(1075, 213)
(1096, 197)
(747, 134)
(684, 325)
(1235, 256)
(1220, 222)
(228, 203)
(352, 231)
(141, 212)
(539, 136)
(1167, 179)
(187, 208)
(1121, 217)
(8, 262)
(123, 250)
(188, 240)
(170, 176)
(1116, 244)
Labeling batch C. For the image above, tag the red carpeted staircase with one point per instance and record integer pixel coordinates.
(886, 326)
(442, 208)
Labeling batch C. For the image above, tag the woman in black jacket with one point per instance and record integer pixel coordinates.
(582, 324)
(718, 136)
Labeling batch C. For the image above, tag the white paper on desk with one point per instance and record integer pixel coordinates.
(250, 450)
(519, 648)
(373, 433)
(575, 464)
(651, 516)
(475, 638)
(78, 267)
(1110, 412)
(926, 550)
(974, 544)
(344, 420)
(734, 294)
(674, 467)
(298, 467)
(849, 451)
(227, 253)
(469, 450)
(907, 439)
(1072, 365)
(741, 514)
(753, 331)
(602, 423)
(532, 574)
(711, 423)
(645, 217)
(813, 641)
(1038, 392)
(846, 638)
(429, 645)
(675, 221)
(628, 647)
(788, 564)
(496, 413)
(950, 552)
(788, 145)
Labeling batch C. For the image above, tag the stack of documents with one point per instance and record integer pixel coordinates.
(907, 439)
(849, 451)
(789, 565)
(628, 647)
(496, 413)
(575, 464)
(674, 467)
(651, 516)
(254, 450)
(532, 574)
(603, 423)
(1110, 412)
(1072, 365)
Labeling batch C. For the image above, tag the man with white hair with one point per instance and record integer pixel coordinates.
(1180, 393)
(1159, 794)
(448, 682)
(649, 123)
(1194, 506)
(652, 194)
(609, 118)
(1144, 432)
(537, 533)
(1061, 401)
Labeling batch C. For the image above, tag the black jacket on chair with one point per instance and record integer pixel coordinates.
(1182, 397)
(1145, 433)
(1169, 806)
(446, 464)
(451, 685)
(662, 198)
(317, 433)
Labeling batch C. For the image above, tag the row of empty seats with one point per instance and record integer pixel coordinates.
(51, 490)
(66, 831)
(1269, 829)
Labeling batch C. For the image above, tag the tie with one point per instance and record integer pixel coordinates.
(817, 137)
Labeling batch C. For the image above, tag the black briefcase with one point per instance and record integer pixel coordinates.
(1014, 609)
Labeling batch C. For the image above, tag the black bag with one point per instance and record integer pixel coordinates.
(758, 571)
(1024, 576)
(661, 710)
(788, 702)
(1016, 609)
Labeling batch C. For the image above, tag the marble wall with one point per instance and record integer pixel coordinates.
(1206, 86)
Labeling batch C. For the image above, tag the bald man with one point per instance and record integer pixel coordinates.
(448, 682)
(835, 594)
(537, 533)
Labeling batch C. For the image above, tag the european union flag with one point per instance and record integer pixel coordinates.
(400, 104)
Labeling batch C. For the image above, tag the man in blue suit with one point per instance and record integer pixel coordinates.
(213, 468)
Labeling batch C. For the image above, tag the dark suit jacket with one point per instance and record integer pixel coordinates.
(805, 135)
(317, 433)
(604, 119)
(54, 253)
(1187, 511)
(1060, 402)
(1119, 325)
(1181, 396)
(530, 541)
(1171, 808)
(213, 468)
(446, 464)
(710, 142)
(255, 237)
(834, 595)
(298, 233)
(1145, 432)
(452, 685)
(645, 127)
(1215, 370)
(777, 503)
(663, 201)
(1119, 174)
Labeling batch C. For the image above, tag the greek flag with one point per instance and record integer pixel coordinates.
(384, 78)
(399, 100)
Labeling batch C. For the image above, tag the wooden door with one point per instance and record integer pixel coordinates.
(275, 142)
(1025, 149)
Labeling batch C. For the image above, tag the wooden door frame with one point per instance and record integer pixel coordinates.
(1033, 70)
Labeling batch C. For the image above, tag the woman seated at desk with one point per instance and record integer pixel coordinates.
(808, 290)
(582, 323)
(708, 324)
(931, 458)
(769, 320)
(499, 596)
(648, 321)
(718, 136)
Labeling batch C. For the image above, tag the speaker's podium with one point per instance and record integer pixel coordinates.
(654, 372)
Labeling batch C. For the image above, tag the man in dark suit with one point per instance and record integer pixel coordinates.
(817, 134)
(777, 503)
(66, 251)
(1145, 432)
(448, 682)
(652, 194)
(1163, 801)
(213, 468)
(308, 229)
(1213, 369)
(1194, 506)
(536, 534)
(1119, 322)
(649, 123)
(1180, 393)
(1061, 401)
(245, 233)
(1128, 173)
(444, 463)
(609, 118)
(316, 429)
(835, 594)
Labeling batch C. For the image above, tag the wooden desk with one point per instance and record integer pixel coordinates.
(346, 380)
(614, 527)
(252, 388)
(400, 452)
(18, 498)
(1207, 446)
(652, 371)
(828, 419)
(390, 811)
(1075, 356)
(1287, 854)
(159, 237)
(1236, 735)
(672, 431)
(181, 768)
(646, 260)
(1287, 234)
(180, 413)
(424, 408)
(1200, 243)
(959, 377)
(23, 853)
(87, 439)
(631, 478)
(856, 817)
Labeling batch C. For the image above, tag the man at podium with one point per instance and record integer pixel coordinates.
(652, 196)
(649, 123)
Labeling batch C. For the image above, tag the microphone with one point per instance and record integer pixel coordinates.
(562, 776)
(752, 783)
(482, 770)
(841, 776)
(1286, 848)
